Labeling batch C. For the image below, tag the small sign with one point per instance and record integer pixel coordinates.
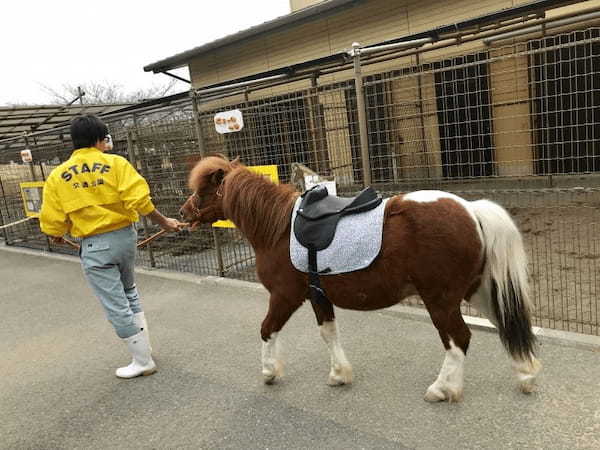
(31, 192)
(267, 171)
(26, 156)
(229, 121)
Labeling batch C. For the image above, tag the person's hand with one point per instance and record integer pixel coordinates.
(57, 240)
(173, 225)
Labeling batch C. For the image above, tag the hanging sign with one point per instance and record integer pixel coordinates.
(26, 156)
(229, 121)
(31, 192)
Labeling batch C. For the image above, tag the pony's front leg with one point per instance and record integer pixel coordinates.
(272, 365)
(341, 371)
(280, 310)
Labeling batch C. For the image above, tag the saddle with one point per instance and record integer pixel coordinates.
(316, 221)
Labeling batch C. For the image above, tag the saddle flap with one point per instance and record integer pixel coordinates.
(313, 234)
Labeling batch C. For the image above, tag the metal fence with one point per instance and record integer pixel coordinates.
(517, 124)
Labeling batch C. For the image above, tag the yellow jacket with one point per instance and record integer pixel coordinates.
(92, 193)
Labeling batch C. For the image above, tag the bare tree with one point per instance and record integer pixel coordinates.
(106, 92)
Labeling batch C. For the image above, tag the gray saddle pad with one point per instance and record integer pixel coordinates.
(356, 243)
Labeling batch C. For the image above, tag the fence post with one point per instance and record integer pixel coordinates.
(362, 115)
(31, 169)
(5, 230)
(34, 178)
(202, 150)
(426, 159)
(43, 174)
(318, 132)
(133, 158)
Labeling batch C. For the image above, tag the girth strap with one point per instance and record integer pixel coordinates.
(317, 294)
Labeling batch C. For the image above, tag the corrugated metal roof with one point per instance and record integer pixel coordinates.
(303, 15)
(16, 121)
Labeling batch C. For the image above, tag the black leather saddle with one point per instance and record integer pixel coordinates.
(319, 213)
(316, 221)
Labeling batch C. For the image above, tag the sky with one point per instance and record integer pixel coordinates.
(52, 43)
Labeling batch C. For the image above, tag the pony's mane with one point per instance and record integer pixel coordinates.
(261, 208)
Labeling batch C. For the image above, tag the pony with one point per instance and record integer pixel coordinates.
(434, 244)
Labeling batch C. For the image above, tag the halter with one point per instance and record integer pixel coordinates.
(218, 192)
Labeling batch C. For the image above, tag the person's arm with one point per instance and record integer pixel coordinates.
(166, 223)
(135, 194)
(53, 220)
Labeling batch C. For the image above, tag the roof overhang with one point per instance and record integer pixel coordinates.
(304, 15)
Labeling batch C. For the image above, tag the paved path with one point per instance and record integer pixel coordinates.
(58, 354)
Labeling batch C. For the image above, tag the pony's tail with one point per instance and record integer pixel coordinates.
(505, 279)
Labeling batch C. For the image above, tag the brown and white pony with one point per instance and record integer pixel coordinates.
(435, 244)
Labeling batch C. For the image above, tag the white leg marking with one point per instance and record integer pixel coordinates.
(341, 370)
(272, 367)
(449, 383)
(526, 372)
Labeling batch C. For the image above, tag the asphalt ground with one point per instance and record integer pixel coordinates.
(58, 390)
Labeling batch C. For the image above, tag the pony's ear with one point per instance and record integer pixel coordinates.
(217, 177)
(236, 162)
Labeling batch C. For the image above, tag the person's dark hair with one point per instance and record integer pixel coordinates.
(87, 130)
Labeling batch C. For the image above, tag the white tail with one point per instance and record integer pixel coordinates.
(505, 280)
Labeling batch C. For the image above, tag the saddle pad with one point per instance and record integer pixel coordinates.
(356, 243)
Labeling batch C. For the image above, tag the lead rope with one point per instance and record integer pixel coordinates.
(12, 224)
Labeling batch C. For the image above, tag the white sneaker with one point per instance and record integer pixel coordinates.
(142, 363)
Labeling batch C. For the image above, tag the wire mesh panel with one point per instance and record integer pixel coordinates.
(566, 98)
(315, 127)
(464, 116)
(432, 121)
(163, 151)
(13, 173)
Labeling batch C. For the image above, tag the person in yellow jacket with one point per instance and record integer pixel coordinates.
(97, 197)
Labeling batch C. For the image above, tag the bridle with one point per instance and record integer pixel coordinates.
(218, 192)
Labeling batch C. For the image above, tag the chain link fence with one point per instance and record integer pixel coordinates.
(517, 124)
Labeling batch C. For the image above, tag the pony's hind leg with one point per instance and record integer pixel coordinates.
(340, 372)
(526, 368)
(455, 336)
(280, 310)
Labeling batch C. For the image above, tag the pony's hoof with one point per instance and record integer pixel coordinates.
(271, 374)
(527, 375)
(340, 376)
(527, 387)
(434, 394)
(269, 378)
(527, 383)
